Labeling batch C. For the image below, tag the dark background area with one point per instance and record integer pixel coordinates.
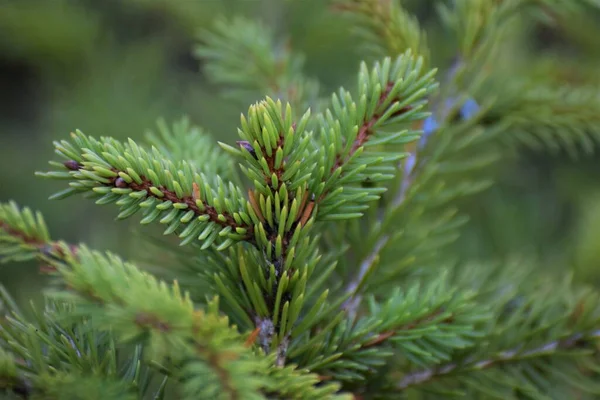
(113, 67)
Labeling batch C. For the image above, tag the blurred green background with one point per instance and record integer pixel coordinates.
(113, 67)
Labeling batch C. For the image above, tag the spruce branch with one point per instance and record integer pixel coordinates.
(171, 328)
(243, 55)
(173, 193)
(385, 27)
(536, 331)
(423, 167)
(506, 357)
(50, 356)
(276, 150)
(550, 118)
(291, 382)
(280, 159)
(183, 140)
(24, 236)
(424, 187)
(423, 324)
(391, 97)
(109, 291)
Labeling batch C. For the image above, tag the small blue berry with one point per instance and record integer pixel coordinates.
(430, 125)
(469, 109)
(409, 164)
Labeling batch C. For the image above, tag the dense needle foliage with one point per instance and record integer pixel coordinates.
(310, 258)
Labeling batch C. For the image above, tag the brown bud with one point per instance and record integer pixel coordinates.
(247, 146)
(120, 183)
(72, 165)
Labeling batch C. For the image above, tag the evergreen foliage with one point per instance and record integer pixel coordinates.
(320, 271)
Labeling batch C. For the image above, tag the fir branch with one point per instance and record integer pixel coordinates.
(509, 356)
(274, 146)
(163, 194)
(243, 55)
(174, 194)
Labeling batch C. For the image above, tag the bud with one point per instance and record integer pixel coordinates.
(247, 146)
(120, 183)
(72, 165)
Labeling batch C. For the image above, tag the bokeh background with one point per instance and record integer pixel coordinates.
(113, 67)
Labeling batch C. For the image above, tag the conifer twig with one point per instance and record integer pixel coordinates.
(385, 25)
(244, 49)
(352, 304)
(164, 194)
(183, 330)
(425, 376)
(26, 233)
(166, 191)
(366, 129)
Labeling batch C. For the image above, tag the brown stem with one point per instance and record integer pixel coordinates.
(188, 200)
(423, 320)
